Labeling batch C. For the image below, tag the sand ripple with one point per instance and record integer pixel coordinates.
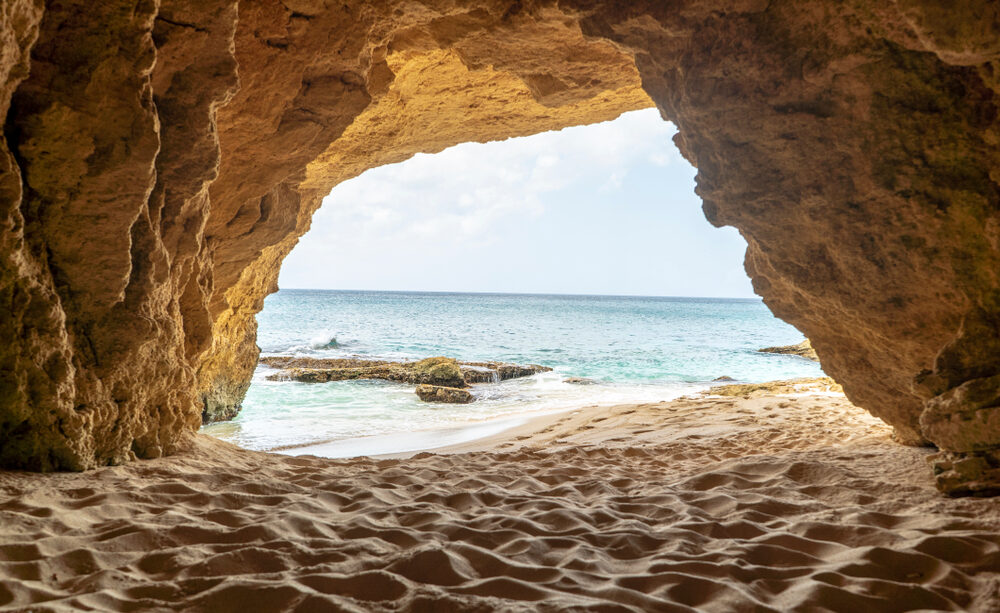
(714, 505)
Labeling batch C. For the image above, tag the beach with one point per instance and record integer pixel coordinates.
(626, 349)
(499, 306)
(786, 502)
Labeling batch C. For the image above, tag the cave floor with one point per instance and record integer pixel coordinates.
(780, 503)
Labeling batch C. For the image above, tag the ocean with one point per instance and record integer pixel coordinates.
(635, 349)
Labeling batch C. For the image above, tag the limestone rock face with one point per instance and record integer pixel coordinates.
(111, 146)
(159, 160)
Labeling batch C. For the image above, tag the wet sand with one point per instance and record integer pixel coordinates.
(775, 503)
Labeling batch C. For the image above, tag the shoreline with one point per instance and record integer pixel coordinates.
(499, 431)
(407, 444)
(774, 502)
(466, 426)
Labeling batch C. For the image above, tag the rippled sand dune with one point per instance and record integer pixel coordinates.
(716, 504)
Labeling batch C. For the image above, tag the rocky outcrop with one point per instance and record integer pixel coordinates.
(439, 393)
(438, 371)
(111, 146)
(970, 473)
(439, 379)
(803, 350)
(159, 160)
(495, 372)
(434, 371)
(774, 388)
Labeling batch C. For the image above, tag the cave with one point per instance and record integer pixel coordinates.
(160, 160)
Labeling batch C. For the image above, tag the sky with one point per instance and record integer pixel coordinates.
(607, 208)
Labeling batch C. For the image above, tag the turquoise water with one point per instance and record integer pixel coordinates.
(637, 349)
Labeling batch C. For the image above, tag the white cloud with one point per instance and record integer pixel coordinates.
(453, 220)
(456, 196)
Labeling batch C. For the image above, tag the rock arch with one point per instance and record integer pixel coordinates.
(159, 161)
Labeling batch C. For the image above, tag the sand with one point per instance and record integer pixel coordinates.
(777, 503)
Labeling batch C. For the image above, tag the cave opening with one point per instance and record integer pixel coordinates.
(582, 250)
(160, 160)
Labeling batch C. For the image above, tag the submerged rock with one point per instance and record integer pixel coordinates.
(440, 393)
(579, 381)
(803, 350)
(723, 378)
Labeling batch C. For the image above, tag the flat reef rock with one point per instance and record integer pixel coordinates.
(803, 350)
(159, 160)
(439, 371)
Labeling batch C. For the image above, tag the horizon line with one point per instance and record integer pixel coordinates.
(500, 293)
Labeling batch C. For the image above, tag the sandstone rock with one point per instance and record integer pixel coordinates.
(770, 388)
(440, 371)
(309, 375)
(224, 400)
(803, 349)
(969, 473)
(965, 418)
(435, 371)
(495, 372)
(280, 361)
(516, 371)
(159, 160)
(438, 393)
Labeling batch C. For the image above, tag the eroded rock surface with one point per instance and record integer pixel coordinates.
(803, 350)
(159, 160)
(440, 393)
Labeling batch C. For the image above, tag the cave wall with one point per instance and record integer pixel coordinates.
(160, 159)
